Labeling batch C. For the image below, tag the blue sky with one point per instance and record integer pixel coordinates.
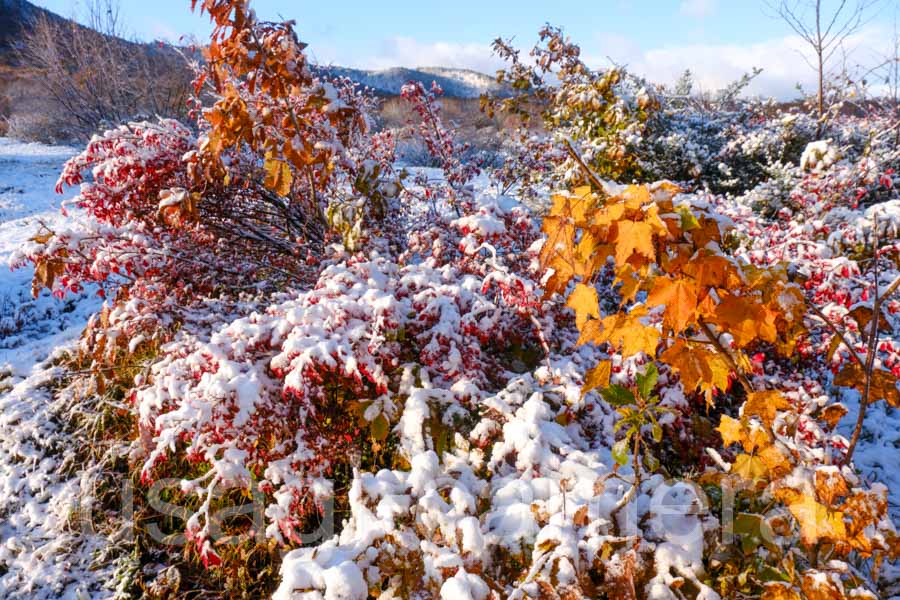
(717, 39)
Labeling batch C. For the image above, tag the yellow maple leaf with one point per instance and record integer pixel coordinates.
(635, 337)
(731, 430)
(712, 270)
(746, 320)
(633, 237)
(592, 333)
(816, 520)
(584, 301)
(679, 296)
(749, 466)
(775, 461)
(622, 330)
(664, 191)
(635, 196)
(697, 367)
(607, 215)
(278, 176)
(631, 283)
(571, 207)
(764, 405)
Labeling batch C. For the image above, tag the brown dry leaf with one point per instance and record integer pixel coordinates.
(45, 274)
(817, 585)
(863, 317)
(581, 517)
(42, 238)
(833, 346)
(620, 581)
(779, 591)
(830, 485)
(883, 386)
(832, 414)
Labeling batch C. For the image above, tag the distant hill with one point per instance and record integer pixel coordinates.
(29, 105)
(16, 16)
(456, 83)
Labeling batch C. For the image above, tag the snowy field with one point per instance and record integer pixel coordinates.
(41, 554)
(30, 328)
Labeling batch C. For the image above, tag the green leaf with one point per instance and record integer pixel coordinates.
(688, 220)
(754, 532)
(616, 395)
(647, 381)
(657, 432)
(620, 451)
(768, 573)
(650, 461)
(380, 428)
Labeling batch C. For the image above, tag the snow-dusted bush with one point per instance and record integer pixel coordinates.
(316, 329)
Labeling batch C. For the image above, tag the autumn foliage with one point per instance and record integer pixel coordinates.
(496, 404)
(701, 313)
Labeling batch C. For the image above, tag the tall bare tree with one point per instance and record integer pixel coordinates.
(94, 76)
(824, 27)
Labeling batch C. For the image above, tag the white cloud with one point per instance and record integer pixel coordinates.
(713, 65)
(698, 9)
(409, 52)
(716, 65)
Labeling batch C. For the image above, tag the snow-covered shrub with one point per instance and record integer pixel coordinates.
(315, 330)
(380, 342)
(818, 156)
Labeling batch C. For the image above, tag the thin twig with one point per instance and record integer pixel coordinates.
(722, 350)
(587, 171)
(834, 329)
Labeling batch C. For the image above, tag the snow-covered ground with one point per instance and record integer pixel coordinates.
(30, 328)
(42, 551)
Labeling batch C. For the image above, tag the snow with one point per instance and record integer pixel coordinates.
(514, 483)
(30, 328)
(457, 83)
(43, 554)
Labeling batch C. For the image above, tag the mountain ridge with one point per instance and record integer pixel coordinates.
(455, 82)
(16, 15)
